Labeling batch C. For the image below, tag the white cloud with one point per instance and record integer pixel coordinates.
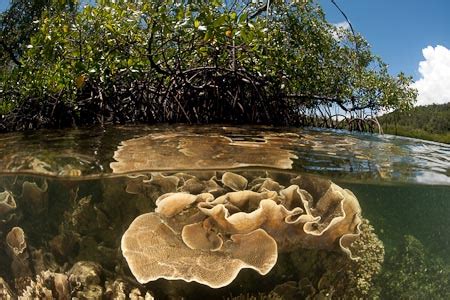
(434, 84)
(339, 27)
(342, 25)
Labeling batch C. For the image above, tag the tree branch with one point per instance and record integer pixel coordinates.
(259, 11)
(10, 53)
(349, 23)
(335, 100)
(150, 56)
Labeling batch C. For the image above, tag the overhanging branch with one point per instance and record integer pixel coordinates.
(10, 53)
(335, 100)
(259, 10)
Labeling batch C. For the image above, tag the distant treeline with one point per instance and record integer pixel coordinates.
(430, 122)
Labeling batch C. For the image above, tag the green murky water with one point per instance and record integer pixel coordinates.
(67, 199)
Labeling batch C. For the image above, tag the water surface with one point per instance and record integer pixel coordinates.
(85, 196)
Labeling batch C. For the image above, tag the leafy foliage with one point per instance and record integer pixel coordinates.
(197, 62)
(20, 21)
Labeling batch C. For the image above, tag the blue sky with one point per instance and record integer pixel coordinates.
(398, 31)
(3, 4)
(406, 34)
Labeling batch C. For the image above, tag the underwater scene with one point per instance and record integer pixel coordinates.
(187, 212)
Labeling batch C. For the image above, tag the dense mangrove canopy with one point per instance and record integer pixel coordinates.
(273, 62)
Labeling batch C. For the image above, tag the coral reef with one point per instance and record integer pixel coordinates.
(260, 296)
(17, 250)
(35, 196)
(7, 203)
(361, 274)
(320, 274)
(153, 252)
(220, 221)
(410, 272)
(5, 291)
(334, 275)
(81, 282)
(8, 207)
(39, 289)
(209, 239)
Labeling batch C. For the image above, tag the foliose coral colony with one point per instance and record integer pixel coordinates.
(204, 227)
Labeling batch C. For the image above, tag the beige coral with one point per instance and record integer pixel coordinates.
(15, 240)
(5, 291)
(35, 196)
(16, 249)
(7, 203)
(188, 232)
(234, 181)
(171, 204)
(153, 250)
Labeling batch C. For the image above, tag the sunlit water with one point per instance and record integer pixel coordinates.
(76, 192)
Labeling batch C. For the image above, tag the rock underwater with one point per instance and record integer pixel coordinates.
(209, 237)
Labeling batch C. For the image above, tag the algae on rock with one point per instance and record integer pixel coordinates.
(411, 272)
(315, 274)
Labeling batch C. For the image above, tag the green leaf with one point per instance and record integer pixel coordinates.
(109, 27)
(243, 18)
(220, 21)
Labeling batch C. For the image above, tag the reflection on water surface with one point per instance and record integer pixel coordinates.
(341, 154)
(72, 205)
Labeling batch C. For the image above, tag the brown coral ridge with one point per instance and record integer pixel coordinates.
(210, 239)
(82, 281)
